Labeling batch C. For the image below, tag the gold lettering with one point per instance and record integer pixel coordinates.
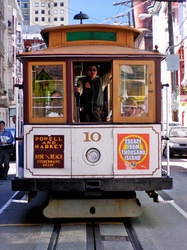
(41, 138)
(46, 146)
(39, 156)
(36, 138)
(47, 165)
(95, 136)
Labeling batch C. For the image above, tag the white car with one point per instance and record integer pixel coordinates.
(177, 141)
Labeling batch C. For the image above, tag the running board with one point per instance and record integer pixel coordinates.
(163, 197)
(93, 208)
(21, 197)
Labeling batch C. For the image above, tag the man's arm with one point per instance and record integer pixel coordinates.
(79, 87)
(106, 79)
(9, 135)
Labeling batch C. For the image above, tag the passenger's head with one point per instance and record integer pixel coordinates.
(55, 95)
(91, 71)
(130, 106)
(140, 109)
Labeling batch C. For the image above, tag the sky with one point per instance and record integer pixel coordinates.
(97, 10)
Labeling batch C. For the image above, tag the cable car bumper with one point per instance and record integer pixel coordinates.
(83, 185)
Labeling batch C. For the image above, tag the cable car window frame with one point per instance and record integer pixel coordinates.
(45, 119)
(150, 80)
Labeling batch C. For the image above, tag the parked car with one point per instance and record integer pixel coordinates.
(177, 141)
(13, 149)
(172, 123)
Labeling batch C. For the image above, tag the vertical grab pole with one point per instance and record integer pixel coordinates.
(18, 94)
(167, 128)
(78, 105)
(17, 114)
(165, 119)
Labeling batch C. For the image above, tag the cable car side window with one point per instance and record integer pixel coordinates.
(135, 95)
(133, 90)
(48, 92)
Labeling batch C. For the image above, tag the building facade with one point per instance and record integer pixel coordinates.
(20, 24)
(44, 12)
(4, 101)
(169, 23)
(10, 42)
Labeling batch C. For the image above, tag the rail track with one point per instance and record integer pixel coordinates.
(94, 236)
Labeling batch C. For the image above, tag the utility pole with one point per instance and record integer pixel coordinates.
(172, 52)
(132, 10)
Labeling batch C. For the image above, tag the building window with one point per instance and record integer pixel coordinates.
(36, 4)
(61, 4)
(26, 17)
(24, 6)
(36, 11)
(49, 20)
(55, 11)
(55, 19)
(18, 37)
(36, 19)
(61, 19)
(61, 11)
(55, 4)
(43, 19)
(42, 4)
(42, 11)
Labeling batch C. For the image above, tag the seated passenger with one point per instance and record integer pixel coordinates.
(56, 104)
(140, 111)
(129, 107)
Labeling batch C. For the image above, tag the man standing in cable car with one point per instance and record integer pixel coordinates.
(91, 89)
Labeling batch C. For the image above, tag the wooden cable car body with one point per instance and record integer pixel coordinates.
(95, 168)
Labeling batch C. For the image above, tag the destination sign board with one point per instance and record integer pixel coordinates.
(49, 151)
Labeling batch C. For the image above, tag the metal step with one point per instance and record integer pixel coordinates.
(164, 197)
(21, 197)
